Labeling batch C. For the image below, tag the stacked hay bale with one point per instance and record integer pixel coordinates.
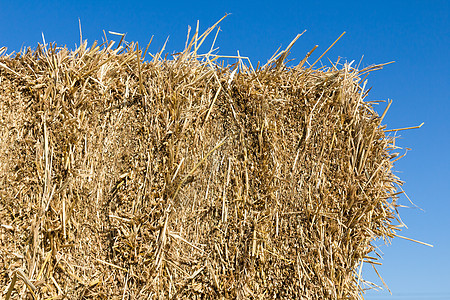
(182, 178)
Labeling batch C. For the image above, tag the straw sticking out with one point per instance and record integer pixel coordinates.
(184, 178)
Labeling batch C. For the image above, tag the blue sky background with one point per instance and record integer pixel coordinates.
(415, 34)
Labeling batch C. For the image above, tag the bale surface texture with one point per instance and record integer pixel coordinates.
(180, 177)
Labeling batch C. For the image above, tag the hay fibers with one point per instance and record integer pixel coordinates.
(126, 176)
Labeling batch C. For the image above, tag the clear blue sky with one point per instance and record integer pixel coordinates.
(415, 34)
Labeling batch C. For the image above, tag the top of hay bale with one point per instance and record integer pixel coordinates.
(183, 178)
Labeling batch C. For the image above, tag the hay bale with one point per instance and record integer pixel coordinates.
(182, 178)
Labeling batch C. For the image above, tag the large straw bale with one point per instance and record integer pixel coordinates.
(184, 178)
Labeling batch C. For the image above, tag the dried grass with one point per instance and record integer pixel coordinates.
(183, 178)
